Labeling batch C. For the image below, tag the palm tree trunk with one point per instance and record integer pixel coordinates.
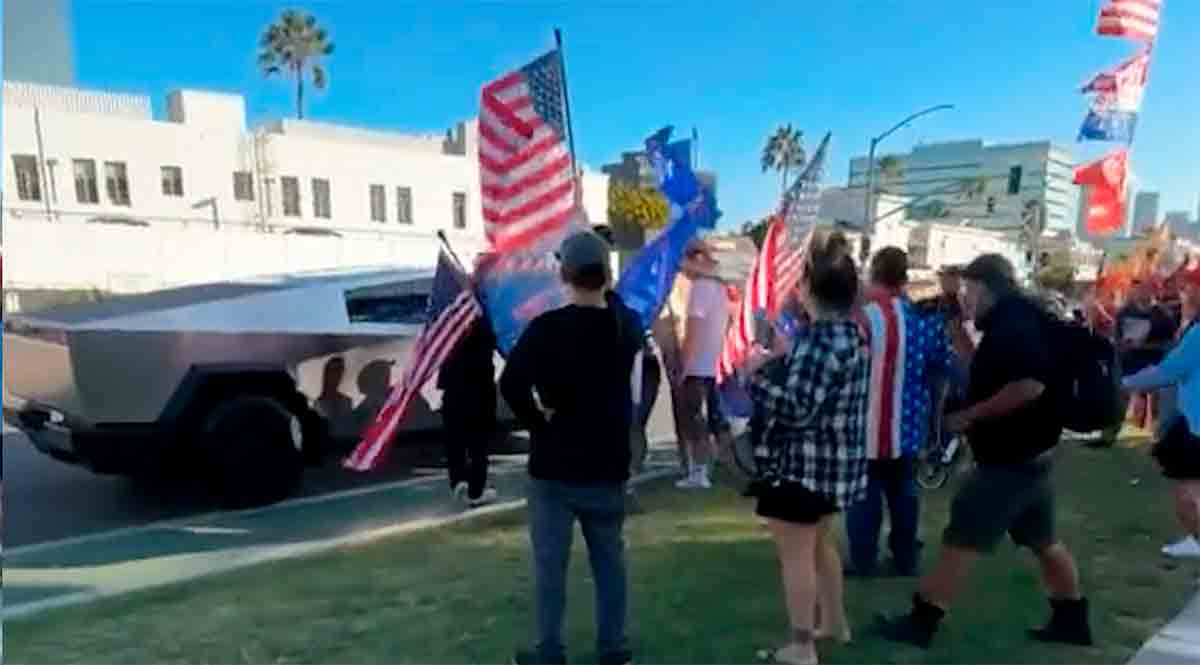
(783, 182)
(299, 93)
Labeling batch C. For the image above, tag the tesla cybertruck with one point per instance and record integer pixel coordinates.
(245, 381)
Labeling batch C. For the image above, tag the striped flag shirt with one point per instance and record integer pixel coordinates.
(908, 348)
(1131, 19)
(526, 173)
(453, 309)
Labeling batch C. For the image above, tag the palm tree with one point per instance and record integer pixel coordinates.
(783, 152)
(293, 46)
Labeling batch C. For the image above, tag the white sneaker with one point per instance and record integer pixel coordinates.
(488, 496)
(697, 480)
(1188, 548)
(460, 491)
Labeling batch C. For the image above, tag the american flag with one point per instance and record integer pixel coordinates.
(1132, 19)
(527, 176)
(779, 265)
(453, 308)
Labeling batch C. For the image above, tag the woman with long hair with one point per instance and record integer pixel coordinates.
(814, 399)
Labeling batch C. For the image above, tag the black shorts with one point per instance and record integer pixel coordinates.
(793, 502)
(1016, 499)
(1178, 453)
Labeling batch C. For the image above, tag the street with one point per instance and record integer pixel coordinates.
(46, 500)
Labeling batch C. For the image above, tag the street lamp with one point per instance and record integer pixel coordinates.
(868, 221)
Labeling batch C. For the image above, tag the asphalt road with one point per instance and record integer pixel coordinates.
(46, 500)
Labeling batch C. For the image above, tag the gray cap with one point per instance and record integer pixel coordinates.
(583, 249)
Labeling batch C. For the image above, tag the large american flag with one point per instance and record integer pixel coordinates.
(1132, 19)
(779, 265)
(453, 309)
(527, 176)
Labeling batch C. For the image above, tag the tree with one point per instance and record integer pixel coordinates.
(293, 47)
(636, 209)
(783, 152)
(889, 171)
(756, 231)
(1058, 273)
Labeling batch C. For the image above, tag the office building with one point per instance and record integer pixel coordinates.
(989, 183)
(37, 42)
(1145, 211)
(1180, 223)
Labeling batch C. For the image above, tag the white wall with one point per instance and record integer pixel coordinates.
(50, 245)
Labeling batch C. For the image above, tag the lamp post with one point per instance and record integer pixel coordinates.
(868, 214)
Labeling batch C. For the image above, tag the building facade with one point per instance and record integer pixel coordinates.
(96, 162)
(1011, 175)
(1180, 224)
(1145, 211)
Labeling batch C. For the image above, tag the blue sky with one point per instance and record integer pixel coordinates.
(734, 70)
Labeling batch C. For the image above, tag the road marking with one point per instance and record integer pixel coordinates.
(279, 552)
(188, 521)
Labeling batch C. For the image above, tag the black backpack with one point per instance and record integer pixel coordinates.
(1086, 389)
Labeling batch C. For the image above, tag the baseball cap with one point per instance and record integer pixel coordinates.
(583, 249)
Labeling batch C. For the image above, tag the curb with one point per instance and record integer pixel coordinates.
(272, 553)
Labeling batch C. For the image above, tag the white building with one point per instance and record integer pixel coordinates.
(1012, 175)
(197, 196)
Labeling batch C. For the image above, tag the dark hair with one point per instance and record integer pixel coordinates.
(994, 271)
(831, 275)
(890, 267)
(590, 277)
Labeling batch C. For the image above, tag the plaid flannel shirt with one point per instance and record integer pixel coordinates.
(815, 407)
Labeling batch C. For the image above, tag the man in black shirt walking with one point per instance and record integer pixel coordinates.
(1012, 427)
(568, 381)
(468, 379)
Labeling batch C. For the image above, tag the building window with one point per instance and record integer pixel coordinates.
(116, 183)
(378, 203)
(243, 186)
(321, 205)
(291, 196)
(460, 210)
(404, 205)
(86, 189)
(29, 182)
(172, 181)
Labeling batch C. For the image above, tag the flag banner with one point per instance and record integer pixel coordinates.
(1126, 82)
(1106, 180)
(1112, 126)
(453, 309)
(1131, 19)
(526, 172)
(780, 262)
(531, 196)
(517, 288)
(647, 282)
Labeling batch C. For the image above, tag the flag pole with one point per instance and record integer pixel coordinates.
(450, 250)
(562, 65)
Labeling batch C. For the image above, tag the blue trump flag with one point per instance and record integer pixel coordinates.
(645, 285)
(1108, 125)
(514, 290)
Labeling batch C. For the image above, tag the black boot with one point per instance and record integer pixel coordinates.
(1068, 623)
(916, 628)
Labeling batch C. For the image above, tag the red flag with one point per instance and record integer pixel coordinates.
(1106, 195)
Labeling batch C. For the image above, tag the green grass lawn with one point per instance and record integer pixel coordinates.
(705, 590)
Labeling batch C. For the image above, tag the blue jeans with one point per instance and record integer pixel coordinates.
(893, 479)
(600, 509)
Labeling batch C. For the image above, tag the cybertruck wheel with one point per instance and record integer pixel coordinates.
(255, 446)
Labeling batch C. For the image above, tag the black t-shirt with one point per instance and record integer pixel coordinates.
(471, 367)
(580, 361)
(1014, 347)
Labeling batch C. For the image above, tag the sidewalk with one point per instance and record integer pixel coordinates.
(1178, 643)
(80, 570)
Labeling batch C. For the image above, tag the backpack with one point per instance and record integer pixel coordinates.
(1086, 389)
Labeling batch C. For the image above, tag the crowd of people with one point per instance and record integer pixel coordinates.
(842, 404)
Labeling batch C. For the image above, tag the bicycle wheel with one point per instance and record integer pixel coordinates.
(743, 455)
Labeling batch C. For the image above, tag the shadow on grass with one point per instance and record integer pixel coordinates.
(705, 589)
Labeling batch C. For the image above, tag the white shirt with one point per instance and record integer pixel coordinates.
(707, 302)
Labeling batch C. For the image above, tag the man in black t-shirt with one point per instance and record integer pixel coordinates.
(1012, 425)
(568, 381)
(468, 379)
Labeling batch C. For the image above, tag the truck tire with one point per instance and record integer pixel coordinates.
(255, 446)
